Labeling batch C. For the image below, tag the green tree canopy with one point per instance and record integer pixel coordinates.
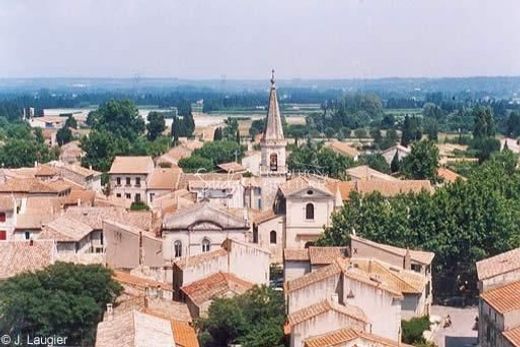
(319, 160)
(119, 117)
(156, 125)
(422, 162)
(64, 299)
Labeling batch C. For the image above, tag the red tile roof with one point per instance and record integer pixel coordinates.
(20, 256)
(513, 336)
(342, 336)
(503, 299)
(499, 264)
(215, 286)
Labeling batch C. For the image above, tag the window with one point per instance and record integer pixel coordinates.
(151, 196)
(416, 267)
(3, 235)
(128, 181)
(118, 195)
(255, 235)
(118, 181)
(310, 192)
(138, 181)
(177, 248)
(272, 236)
(2, 216)
(137, 197)
(273, 162)
(128, 196)
(27, 235)
(309, 211)
(206, 245)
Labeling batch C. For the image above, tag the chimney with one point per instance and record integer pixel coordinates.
(110, 312)
(31, 242)
(145, 302)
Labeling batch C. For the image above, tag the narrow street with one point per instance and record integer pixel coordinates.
(460, 333)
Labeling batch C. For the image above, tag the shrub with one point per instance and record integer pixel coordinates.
(413, 329)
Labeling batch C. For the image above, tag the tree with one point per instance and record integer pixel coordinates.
(389, 140)
(196, 163)
(329, 132)
(217, 135)
(513, 124)
(319, 160)
(238, 136)
(388, 121)
(411, 131)
(176, 130)
(432, 111)
(257, 127)
(63, 299)
(63, 135)
(484, 125)
(71, 123)
(422, 162)
(119, 117)
(431, 128)
(253, 319)
(360, 133)
(375, 133)
(375, 161)
(156, 125)
(100, 149)
(395, 165)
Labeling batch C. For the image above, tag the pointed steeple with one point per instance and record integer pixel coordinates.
(273, 130)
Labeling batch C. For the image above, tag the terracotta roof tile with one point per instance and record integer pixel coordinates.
(448, 175)
(65, 229)
(303, 182)
(295, 254)
(326, 255)
(499, 264)
(231, 167)
(364, 172)
(503, 299)
(202, 258)
(20, 256)
(164, 179)
(184, 334)
(373, 281)
(215, 286)
(132, 165)
(324, 306)
(333, 269)
(264, 216)
(513, 336)
(139, 282)
(342, 336)
(343, 148)
(422, 257)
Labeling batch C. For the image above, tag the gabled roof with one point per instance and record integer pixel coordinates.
(398, 148)
(324, 306)
(295, 254)
(371, 280)
(499, 264)
(132, 165)
(406, 282)
(231, 167)
(300, 183)
(306, 280)
(135, 329)
(164, 178)
(503, 299)
(326, 255)
(201, 213)
(343, 148)
(273, 130)
(449, 175)
(513, 336)
(345, 335)
(364, 172)
(65, 229)
(201, 258)
(184, 334)
(29, 186)
(215, 286)
(20, 256)
(422, 257)
(139, 282)
(193, 178)
(94, 216)
(386, 188)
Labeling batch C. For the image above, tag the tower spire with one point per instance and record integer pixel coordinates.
(272, 78)
(273, 124)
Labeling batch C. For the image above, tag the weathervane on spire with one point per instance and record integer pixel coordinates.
(272, 77)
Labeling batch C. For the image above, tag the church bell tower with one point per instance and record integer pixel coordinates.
(273, 168)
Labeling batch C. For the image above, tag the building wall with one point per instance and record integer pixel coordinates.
(264, 229)
(491, 324)
(499, 280)
(300, 230)
(192, 240)
(295, 269)
(382, 310)
(133, 189)
(122, 247)
(314, 293)
(249, 263)
(322, 324)
(9, 224)
(226, 195)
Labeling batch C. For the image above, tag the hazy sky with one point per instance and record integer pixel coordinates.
(245, 38)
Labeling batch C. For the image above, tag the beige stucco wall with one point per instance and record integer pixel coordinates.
(192, 240)
(122, 247)
(131, 189)
(382, 310)
(264, 237)
(321, 324)
(295, 269)
(312, 294)
(499, 280)
(300, 230)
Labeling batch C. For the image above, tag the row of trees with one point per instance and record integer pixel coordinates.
(118, 129)
(461, 222)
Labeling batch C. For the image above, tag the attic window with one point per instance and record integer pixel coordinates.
(310, 192)
(350, 295)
